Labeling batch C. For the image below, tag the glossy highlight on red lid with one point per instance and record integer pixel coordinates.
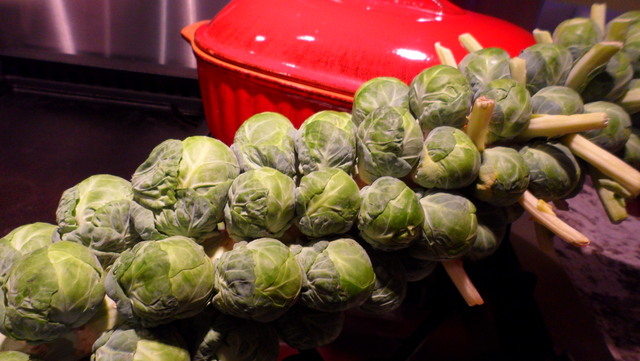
(339, 44)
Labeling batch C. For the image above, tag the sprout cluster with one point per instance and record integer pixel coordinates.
(220, 252)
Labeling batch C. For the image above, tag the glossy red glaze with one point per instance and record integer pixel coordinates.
(301, 56)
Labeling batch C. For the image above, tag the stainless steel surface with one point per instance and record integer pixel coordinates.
(141, 32)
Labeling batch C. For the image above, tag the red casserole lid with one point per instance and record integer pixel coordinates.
(336, 45)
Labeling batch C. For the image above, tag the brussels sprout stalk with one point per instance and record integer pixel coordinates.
(518, 67)
(445, 55)
(591, 63)
(542, 36)
(605, 162)
(469, 42)
(598, 14)
(551, 126)
(631, 100)
(617, 29)
(610, 195)
(479, 121)
(460, 278)
(542, 213)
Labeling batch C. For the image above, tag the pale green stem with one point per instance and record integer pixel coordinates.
(541, 213)
(469, 42)
(599, 14)
(606, 162)
(542, 36)
(552, 126)
(479, 119)
(518, 67)
(445, 55)
(587, 66)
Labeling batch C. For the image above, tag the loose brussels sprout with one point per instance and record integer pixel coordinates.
(557, 100)
(261, 204)
(22, 240)
(377, 92)
(512, 109)
(327, 139)
(259, 280)
(50, 291)
(492, 228)
(304, 328)
(554, 172)
(503, 177)
(449, 160)
(440, 95)
(547, 64)
(139, 344)
(327, 202)
(215, 336)
(484, 65)
(185, 184)
(612, 82)
(266, 140)
(391, 284)
(338, 274)
(618, 129)
(631, 150)
(99, 212)
(450, 225)
(390, 215)
(157, 282)
(16, 356)
(389, 144)
(577, 34)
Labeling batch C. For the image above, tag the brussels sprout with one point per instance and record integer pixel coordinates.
(547, 64)
(304, 328)
(327, 202)
(554, 172)
(630, 101)
(450, 225)
(631, 47)
(215, 336)
(389, 144)
(449, 160)
(618, 129)
(99, 212)
(503, 177)
(261, 204)
(512, 109)
(139, 344)
(266, 140)
(327, 139)
(612, 82)
(259, 280)
(440, 95)
(185, 184)
(16, 356)
(377, 92)
(631, 150)
(50, 291)
(415, 267)
(484, 65)
(157, 282)
(577, 34)
(492, 228)
(338, 274)
(391, 284)
(390, 215)
(22, 240)
(557, 100)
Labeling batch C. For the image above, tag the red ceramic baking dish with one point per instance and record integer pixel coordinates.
(297, 57)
